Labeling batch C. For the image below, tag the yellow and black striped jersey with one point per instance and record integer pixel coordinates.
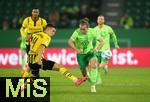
(30, 26)
(37, 39)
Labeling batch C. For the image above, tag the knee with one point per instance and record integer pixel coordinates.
(57, 67)
(93, 65)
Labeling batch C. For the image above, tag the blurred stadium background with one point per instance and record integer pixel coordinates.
(128, 79)
(66, 14)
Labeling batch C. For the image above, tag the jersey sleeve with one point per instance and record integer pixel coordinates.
(113, 36)
(44, 23)
(25, 22)
(111, 30)
(46, 40)
(23, 29)
(74, 35)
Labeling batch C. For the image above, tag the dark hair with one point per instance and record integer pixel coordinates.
(35, 8)
(50, 25)
(85, 21)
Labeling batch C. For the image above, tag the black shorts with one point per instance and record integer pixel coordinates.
(46, 65)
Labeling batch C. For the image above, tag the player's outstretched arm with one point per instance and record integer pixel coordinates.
(114, 38)
(72, 45)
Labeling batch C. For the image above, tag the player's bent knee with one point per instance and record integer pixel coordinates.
(57, 66)
(93, 65)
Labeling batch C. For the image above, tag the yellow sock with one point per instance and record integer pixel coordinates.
(66, 73)
(25, 74)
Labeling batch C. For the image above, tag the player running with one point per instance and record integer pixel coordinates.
(81, 41)
(104, 54)
(31, 24)
(38, 42)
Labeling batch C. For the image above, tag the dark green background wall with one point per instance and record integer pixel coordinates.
(127, 38)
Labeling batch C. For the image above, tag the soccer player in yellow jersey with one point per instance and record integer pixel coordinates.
(38, 42)
(31, 24)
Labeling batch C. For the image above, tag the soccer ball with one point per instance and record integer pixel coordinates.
(107, 54)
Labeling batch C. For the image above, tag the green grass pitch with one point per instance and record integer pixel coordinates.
(120, 85)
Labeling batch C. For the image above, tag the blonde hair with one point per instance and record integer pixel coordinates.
(85, 21)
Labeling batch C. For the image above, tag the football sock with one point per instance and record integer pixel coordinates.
(25, 74)
(98, 73)
(67, 74)
(93, 76)
(99, 79)
(106, 69)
